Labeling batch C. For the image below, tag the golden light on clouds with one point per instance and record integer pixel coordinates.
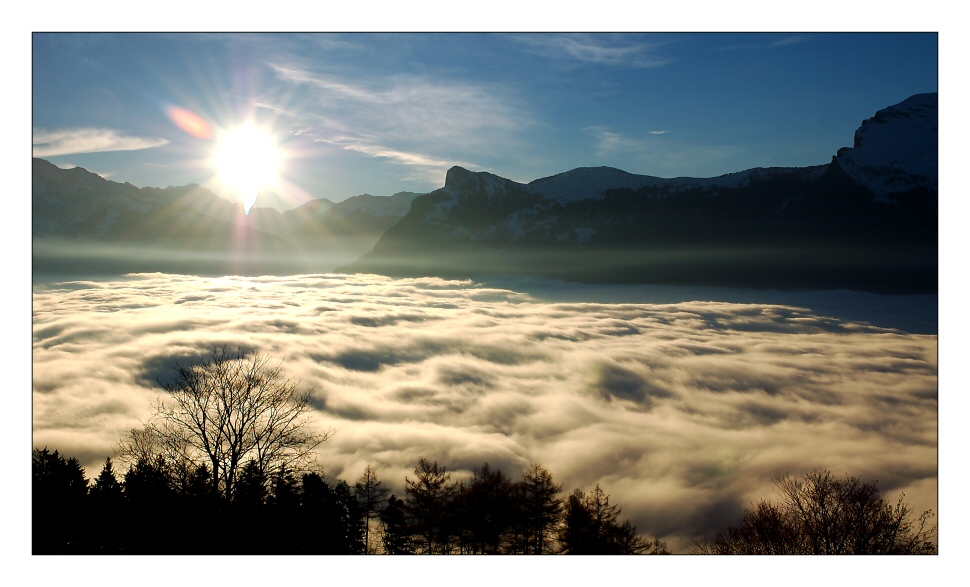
(683, 412)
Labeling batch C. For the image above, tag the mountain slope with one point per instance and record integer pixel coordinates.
(357, 216)
(867, 220)
(83, 222)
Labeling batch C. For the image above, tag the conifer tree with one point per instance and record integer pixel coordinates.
(59, 489)
(590, 526)
(106, 511)
(106, 485)
(541, 509)
(372, 496)
(396, 535)
(489, 509)
(429, 502)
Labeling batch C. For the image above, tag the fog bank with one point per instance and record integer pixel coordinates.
(682, 411)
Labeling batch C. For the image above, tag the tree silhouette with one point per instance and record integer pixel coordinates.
(162, 444)
(282, 510)
(820, 514)
(331, 517)
(106, 509)
(590, 526)
(396, 535)
(372, 496)
(251, 487)
(251, 514)
(106, 485)
(488, 506)
(429, 500)
(58, 493)
(150, 506)
(147, 513)
(285, 496)
(228, 409)
(540, 509)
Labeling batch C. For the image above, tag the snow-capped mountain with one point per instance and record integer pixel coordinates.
(866, 220)
(897, 149)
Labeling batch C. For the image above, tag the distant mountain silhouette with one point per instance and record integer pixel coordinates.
(83, 222)
(867, 220)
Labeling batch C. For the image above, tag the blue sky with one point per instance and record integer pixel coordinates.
(382, 113)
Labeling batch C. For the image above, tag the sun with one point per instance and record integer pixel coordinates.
(247, 159)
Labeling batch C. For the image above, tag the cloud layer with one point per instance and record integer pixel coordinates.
(682, 412)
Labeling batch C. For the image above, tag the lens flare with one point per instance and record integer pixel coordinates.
(189, 122)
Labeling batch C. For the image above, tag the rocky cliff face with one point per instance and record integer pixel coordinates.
(897, 149)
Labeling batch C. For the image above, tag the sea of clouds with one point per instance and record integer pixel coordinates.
(683, 412)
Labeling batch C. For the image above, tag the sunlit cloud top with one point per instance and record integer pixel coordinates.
(682, 411)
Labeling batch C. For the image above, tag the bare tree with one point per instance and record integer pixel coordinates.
(849, 517)
(228, 409)
(162, 446)
(820, 514)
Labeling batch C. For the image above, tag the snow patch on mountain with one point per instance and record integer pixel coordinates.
(897, 149)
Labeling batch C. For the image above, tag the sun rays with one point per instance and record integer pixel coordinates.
(247, 159)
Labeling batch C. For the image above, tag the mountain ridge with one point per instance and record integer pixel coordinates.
(78, 214)
(866, 220)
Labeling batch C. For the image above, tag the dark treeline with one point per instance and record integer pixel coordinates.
(154, 508)
(223, 467)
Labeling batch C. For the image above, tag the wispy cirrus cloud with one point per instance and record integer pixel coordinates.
(51, 143)
(600, 49)
(782, 42)
(428, 168)
(656, 149)
(792, 40)
(609, 143)
(411, 120)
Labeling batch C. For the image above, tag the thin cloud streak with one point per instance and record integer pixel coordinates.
(51, 143)
(789, 41)
(610, 143)
(645, 153)
(598, 49)
(683, 412)
(783, 42)
(432, 170)
(406, 114)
